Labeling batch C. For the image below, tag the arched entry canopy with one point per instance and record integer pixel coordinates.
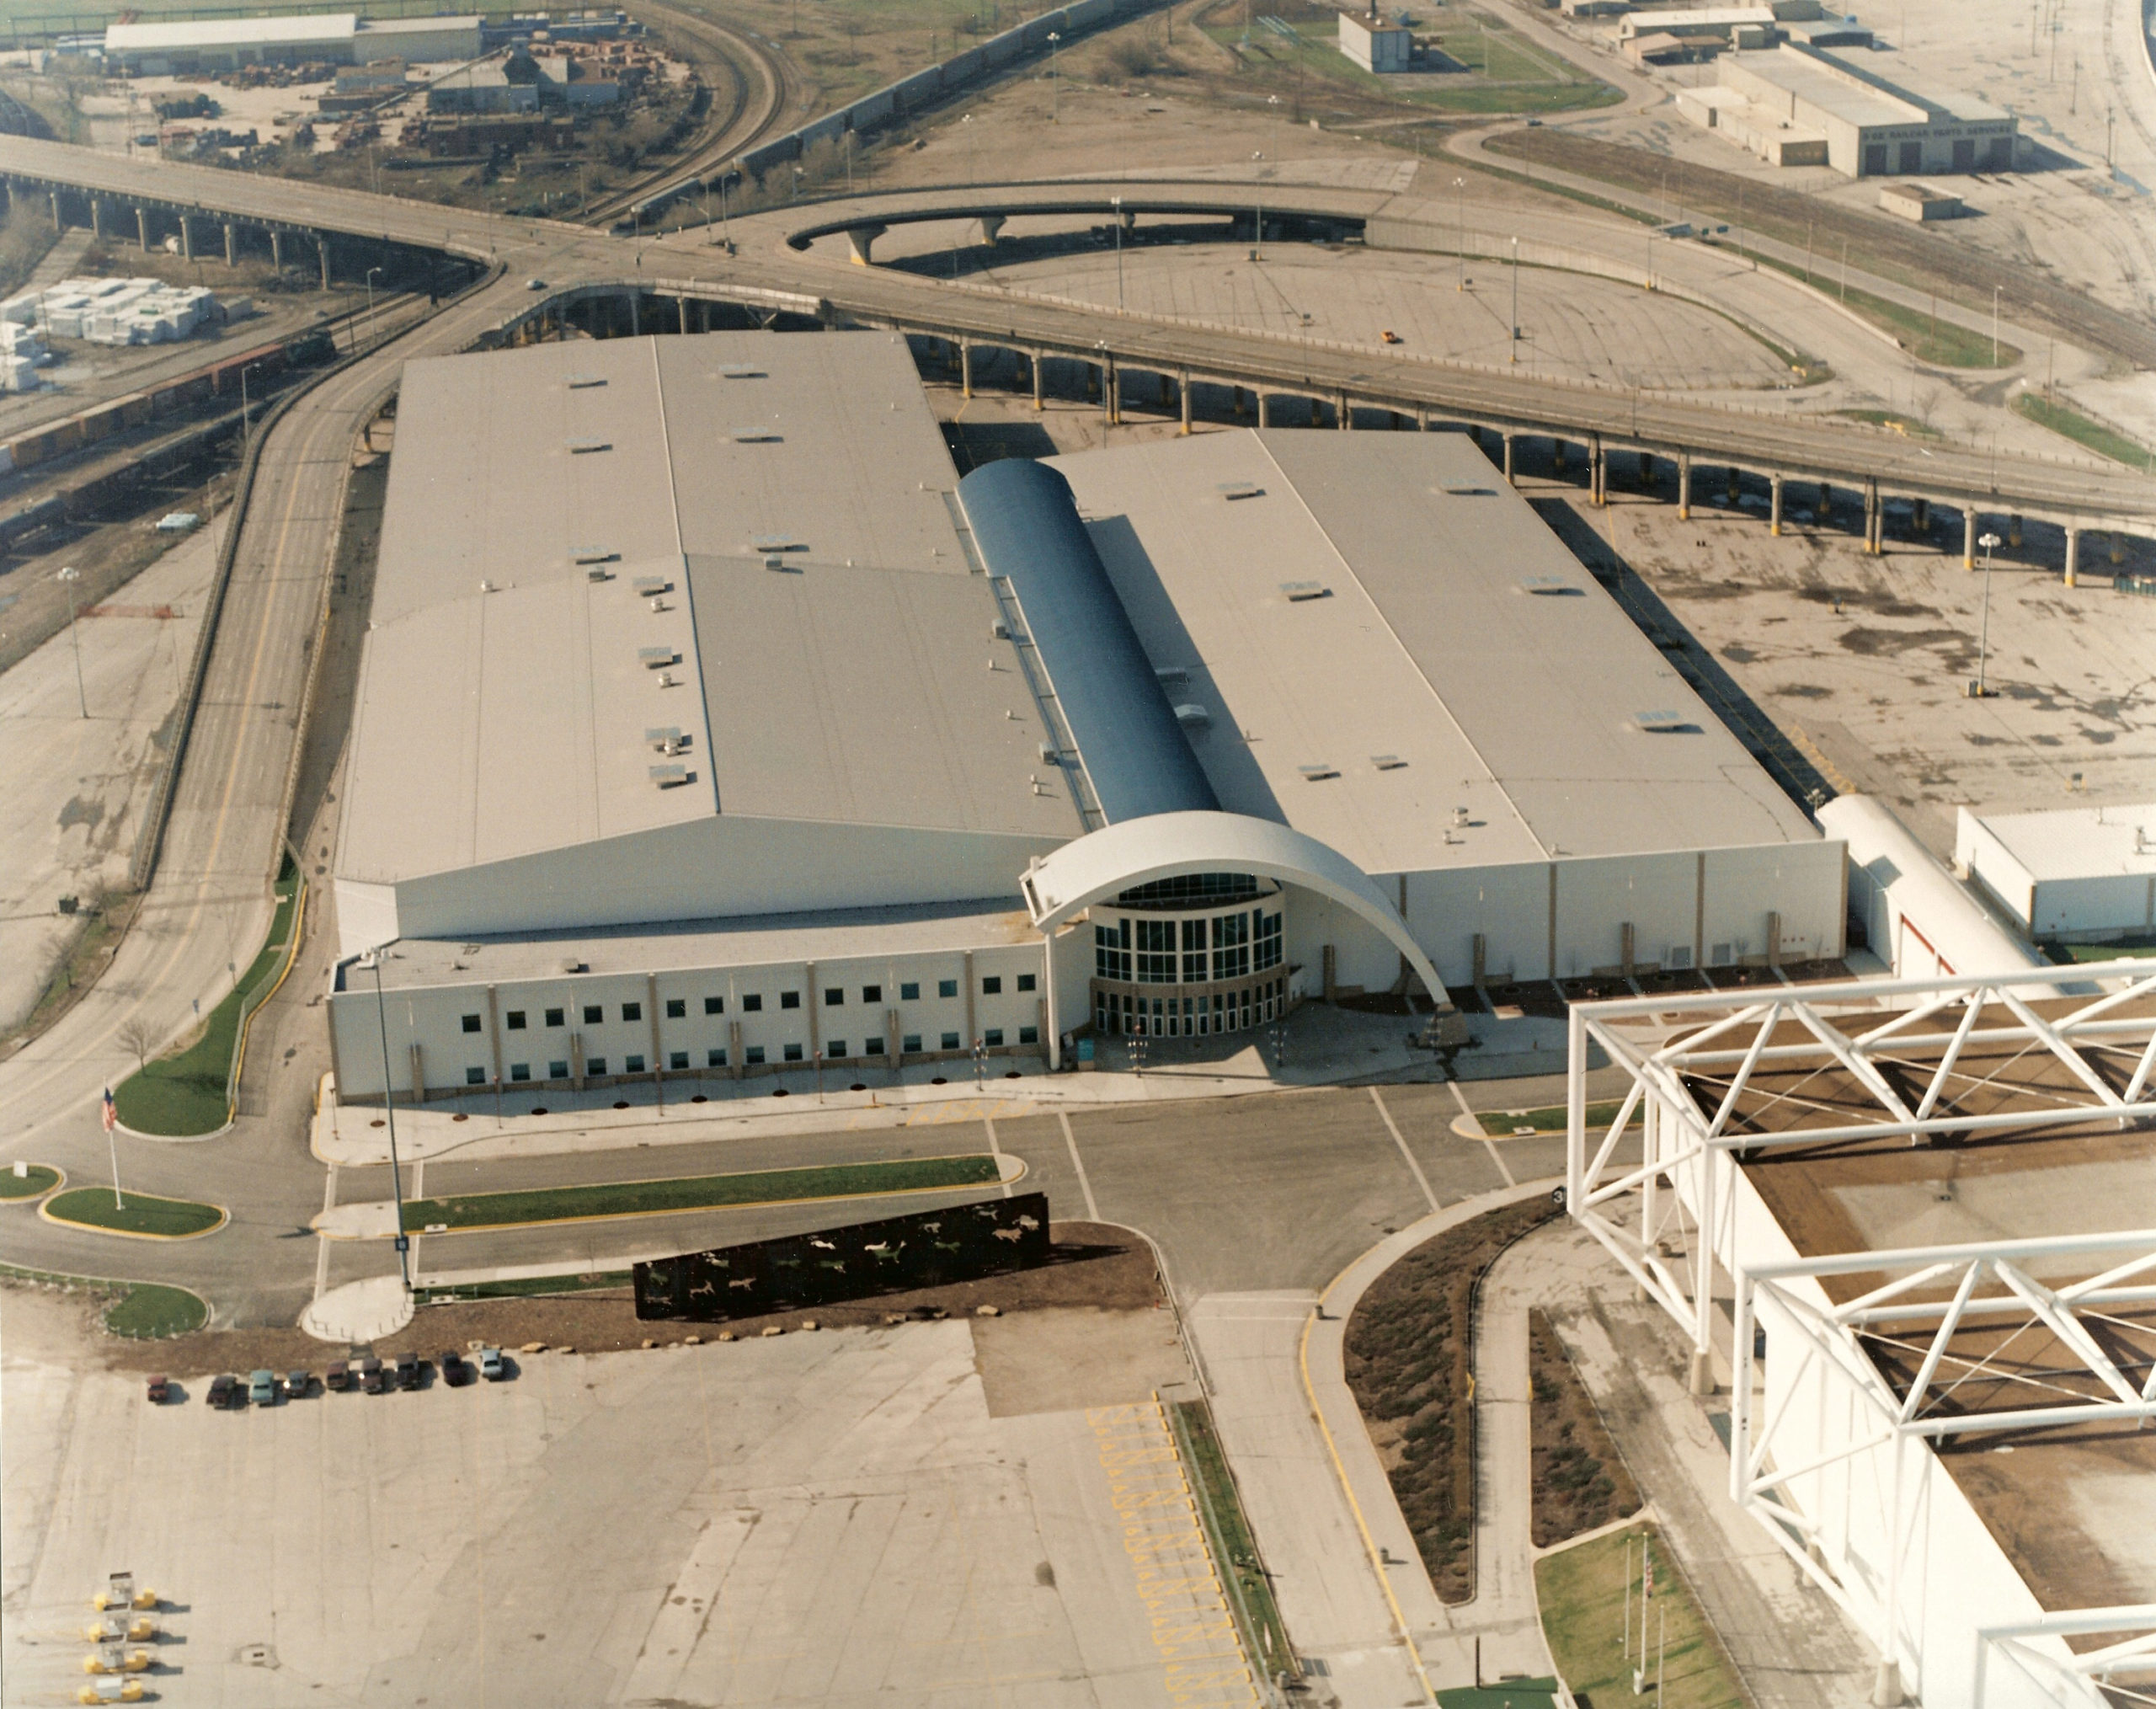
(1173, 845)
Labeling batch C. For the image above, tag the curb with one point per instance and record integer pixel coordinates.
(682, 1211)
(29, 1199)
(45, 1214)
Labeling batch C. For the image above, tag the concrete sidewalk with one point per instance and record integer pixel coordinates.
(1323, 1047)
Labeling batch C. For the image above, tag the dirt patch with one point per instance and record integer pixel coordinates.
(1094, 1265)
(1410, 1363)
(1579, 1479)
(1064, 1358)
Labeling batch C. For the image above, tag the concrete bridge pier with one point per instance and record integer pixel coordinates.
(1684, 486)
(1167, 383)
(97, 217)
(322, 250)
(1646, 472)
(2073, 554)
(1920, 516)
(1511, 443)
(1968, 538)
(2013, 530)
(186, 240)
(1557, 455)
(1264, 410)
(1343, 412)
(56, 226)
(1875, 519)
(1110, 392)
(2117, 543)
(965, 368)
(635, 319)
(1598, 474)
(991, 228)
(1033, 361)
(277, 249)
(231, 244)
(862, 240)
(142, 228)
(1182, 386)
(1775, 505)
(1735, 489)
(681, 314)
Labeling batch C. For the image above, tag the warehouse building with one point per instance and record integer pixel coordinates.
(708, 724)
(1801, 105)
(2074, 875)
(163, 49)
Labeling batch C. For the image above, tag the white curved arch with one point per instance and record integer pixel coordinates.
(1171, 845)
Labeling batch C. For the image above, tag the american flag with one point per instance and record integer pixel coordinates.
(111, 1115)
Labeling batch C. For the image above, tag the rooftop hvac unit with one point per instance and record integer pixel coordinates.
(1547, 584)
(651, 586)
(1232, 490)
(653, 658)
(999, 630)
(739, 371)
(756, 435)
(669, 776)
(668, 739)
(1468, 491)
(1298, 591)
(584, 447)
(579, 382)
(598, 572)
(1194, 716)
(1387, 762)
(665, 679)
(572, 964)
(1318, 773)
(776, 543)
(594, 554)
(1661, 723)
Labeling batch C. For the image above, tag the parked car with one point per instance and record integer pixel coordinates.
(262, 1388)
(490, 1365)
(1390, 336)
(409, 1370)
(160, 1389)
(337, 1378)
(297, 1385)
(225, 1391)
(373, 1380)
(454, 1370)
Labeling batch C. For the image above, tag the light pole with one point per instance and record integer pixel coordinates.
(372, 271)
(1994, 326)
(1512, 353)
(1650, 237)
(1054, 82)
(1115, 202)
(1460, 184)
(1984, 632)
(70, 576)
(389, 1111)
(965, 130)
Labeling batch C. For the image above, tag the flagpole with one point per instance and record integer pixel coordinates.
(112, 1140)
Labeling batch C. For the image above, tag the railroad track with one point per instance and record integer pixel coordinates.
(749, 116)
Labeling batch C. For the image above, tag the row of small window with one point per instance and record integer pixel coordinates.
(677, 1008)
(752, 1056)
(1173, 952)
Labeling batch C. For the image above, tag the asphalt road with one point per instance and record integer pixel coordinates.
(564, 256)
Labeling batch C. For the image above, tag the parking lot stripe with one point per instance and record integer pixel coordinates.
(1468, 1110)
(1407, 1156)
(1085, 1181)
(995, 1150)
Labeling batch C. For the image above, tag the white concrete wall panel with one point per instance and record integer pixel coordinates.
(1801, 882)
(713, 868)
(1508, 905)
(1656, 893)
(366, 914)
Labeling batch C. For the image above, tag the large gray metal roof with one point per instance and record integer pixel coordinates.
(567, 521)
(1384, 632)
(1027, 529)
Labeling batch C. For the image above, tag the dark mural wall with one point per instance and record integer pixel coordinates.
(961, 1243)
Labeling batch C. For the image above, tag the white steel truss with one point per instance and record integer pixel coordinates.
(1956, 1339)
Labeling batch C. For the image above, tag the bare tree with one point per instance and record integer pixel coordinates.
(136, 1035)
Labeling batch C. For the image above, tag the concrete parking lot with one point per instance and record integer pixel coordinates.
(837, 1519)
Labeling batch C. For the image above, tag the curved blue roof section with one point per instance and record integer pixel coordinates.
(1025, 524)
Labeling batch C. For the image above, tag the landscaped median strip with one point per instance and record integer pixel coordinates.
(1522, 1123)
(1602, 1639)
(133, 1215)
(188, 1093)
(140, 1311)
(614, 1199)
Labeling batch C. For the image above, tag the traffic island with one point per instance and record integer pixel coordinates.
(133, 1215)
(188, 1094)
(137, 1312)
(36, 1180)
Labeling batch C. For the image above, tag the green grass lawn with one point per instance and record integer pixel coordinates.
(2074, 425)
(1501, 74)
(41, 1179)
(1265, 1635)
(699, 1191)
(184, 1093)
(1581, 1591)
(1927, 337)
(1499, 1122)
(140, 1213)
(149, 1311)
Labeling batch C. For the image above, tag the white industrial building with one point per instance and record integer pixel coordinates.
(708, 723)
(1374, 44)
(2071, 874)
(162, 48)
(1801, 105)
